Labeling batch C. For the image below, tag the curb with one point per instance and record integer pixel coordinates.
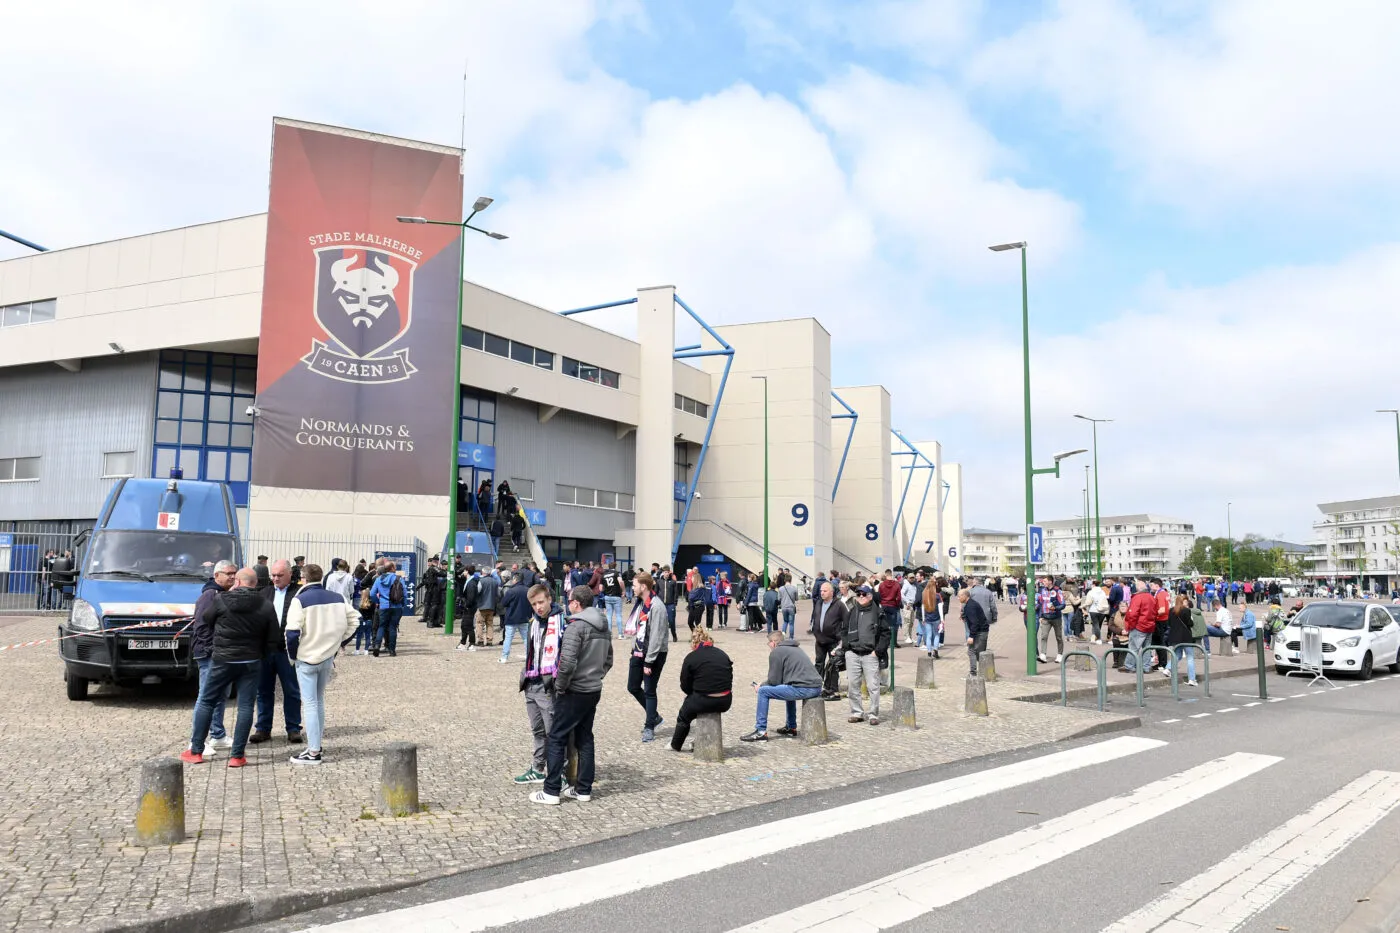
(1380, 913)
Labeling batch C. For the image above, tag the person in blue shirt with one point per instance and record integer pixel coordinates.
(391, 599)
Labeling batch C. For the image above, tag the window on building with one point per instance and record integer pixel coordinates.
(544, 359)
(691, 407)
(28, 312)
(19, 469)
(472, 338)
(498, 346)
(202, 420)
(524, 489)
(118, 463)
(592, 498)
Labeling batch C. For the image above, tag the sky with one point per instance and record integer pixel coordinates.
(1209, 192)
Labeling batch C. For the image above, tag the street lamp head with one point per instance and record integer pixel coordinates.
(498, 236)
(412, 220)
(1001, 247)
(1070, 453)
(1095, 420)
(1388, 411)
(481, 204)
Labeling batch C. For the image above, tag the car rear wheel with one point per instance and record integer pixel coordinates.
(1395, 665)
(77, 687)
(1367, 667)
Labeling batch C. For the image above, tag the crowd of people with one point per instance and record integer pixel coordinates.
(286, 621)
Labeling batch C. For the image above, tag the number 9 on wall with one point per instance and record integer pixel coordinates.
(800, 514)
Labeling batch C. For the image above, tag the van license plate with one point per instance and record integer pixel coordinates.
(147, 643)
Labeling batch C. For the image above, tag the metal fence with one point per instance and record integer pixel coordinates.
(39, 563)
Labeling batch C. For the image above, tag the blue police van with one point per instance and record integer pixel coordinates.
(141, 568)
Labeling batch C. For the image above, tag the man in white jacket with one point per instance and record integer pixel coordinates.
(339, 581)
(318, 623)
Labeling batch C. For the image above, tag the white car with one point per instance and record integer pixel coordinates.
(1357, 637)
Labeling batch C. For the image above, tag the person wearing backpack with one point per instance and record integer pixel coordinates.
(466, 606)
(388, 592)
(695, 602)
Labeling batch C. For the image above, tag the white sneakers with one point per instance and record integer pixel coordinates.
(503, 660)
(1059, 658)
(1042, 659)
(549, 800)
(225, 742)
(573, 794)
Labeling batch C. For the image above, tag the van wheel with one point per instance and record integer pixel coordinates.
(1280, 669)
(1367, 667)
(77, 687)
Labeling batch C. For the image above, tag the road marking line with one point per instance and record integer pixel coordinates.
(1200, 715)
(1248, 705)
(1247, 696)
(1296, 696)
(1229, 709)
(1277, 699)
(540, 897)
(1166, 721)
(911, 893)
(1318, 692)
(1225, 897)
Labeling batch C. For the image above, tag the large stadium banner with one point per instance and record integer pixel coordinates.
(359, 313)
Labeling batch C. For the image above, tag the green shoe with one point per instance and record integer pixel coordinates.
(530, 777)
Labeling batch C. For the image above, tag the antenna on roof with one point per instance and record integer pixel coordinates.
(462, 163)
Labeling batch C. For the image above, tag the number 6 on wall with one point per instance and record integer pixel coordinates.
(800, 514)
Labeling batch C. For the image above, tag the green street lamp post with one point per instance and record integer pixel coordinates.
(1031, 471)
(1230, 541)
(764, 575)
(450, 600)
(1098, 516)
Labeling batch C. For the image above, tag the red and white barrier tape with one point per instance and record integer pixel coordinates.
(159, 623)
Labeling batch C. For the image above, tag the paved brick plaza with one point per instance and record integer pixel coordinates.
(70, 774)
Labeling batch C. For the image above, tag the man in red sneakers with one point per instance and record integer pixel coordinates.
(245, 631)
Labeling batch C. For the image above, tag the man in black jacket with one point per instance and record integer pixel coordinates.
(245, 631)
(828, 622)
(977, 624)
(861, 640)
(202, 645)
(277, 666)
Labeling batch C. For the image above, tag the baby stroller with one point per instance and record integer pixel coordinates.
(831, 674)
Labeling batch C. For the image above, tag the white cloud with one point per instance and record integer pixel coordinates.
(1248, 99)
(931, 30)
(1258, 392)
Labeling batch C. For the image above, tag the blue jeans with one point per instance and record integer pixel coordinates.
(772, 618)
(790, 623)
(1190, 661)
(216, 724)
(782, 692)
(928, 635)
(388, 632)
(243, 675)
(508, 634)
(277, 667)
(313, 679)
(362, 636)
(614, 608)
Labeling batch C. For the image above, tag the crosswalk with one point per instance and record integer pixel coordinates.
(1221, 899)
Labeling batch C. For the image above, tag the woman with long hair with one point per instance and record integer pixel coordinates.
(1179, 634)
(707, 680)
(931, 623)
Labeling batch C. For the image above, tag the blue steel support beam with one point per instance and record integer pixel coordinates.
(689, 346)
(728, 353)
(850, 436)
(610, 304)
(913, 532)
(23, 242)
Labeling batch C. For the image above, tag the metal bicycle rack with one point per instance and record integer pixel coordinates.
(1098, 668)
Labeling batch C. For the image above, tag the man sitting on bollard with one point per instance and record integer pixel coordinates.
(977, 626)
(245, 632)
(707, 680)
(585, 657)
(791, 677)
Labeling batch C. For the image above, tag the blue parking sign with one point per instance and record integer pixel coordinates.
(1035, 544)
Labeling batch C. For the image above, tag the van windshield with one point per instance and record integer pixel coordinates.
(157, 554)
(1332, 615)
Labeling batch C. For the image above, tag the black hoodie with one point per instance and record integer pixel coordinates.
(202, 635)
(245, 627)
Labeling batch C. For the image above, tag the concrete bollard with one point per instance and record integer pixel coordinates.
(976, 699)
(904, 708)
(924, 677)
(398, 779)
(708, 731)
(813, 729)
(1081, 663)
(987, 667)
(160, 806)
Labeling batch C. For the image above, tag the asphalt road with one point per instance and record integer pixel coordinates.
(1307, 785)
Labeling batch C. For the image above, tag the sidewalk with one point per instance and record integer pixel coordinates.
(269, 839)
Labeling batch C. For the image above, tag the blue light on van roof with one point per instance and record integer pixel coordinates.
(177, 473)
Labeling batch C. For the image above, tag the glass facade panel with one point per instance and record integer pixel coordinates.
(499, 346)
(213, 436)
